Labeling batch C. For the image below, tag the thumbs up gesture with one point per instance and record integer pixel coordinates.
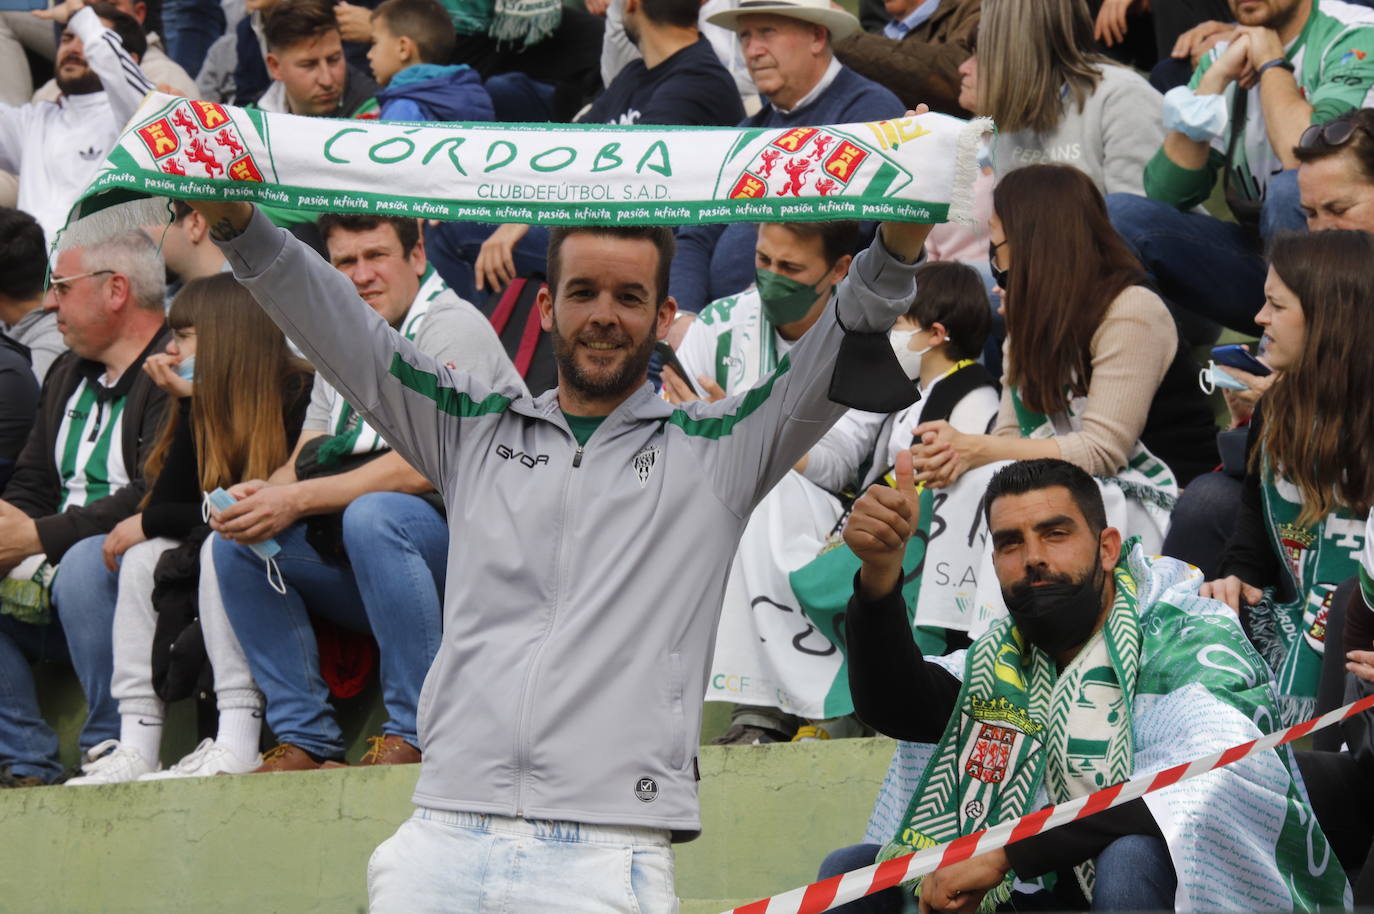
(882, 521)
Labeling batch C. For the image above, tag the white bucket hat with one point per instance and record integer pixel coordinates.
(840, 23)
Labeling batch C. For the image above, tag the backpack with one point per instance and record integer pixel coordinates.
(516, 321)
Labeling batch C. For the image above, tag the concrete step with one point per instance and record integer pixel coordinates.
(300, 842)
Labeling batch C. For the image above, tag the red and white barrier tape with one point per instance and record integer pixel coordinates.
(837, 890)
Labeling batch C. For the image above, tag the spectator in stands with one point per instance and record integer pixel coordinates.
(1336, 180)
(919, 51)
(735, 345)
(937, 343)
(678, 81)
(412, 41)
(787, 45)
(618, 49)
(233, 70)
(160, 69)
(23, 265)
(1336, 172)
(363, 540)
(56, 148)
(80, 474)
(1121, 637)
(1309, 481)
(1086, 343)
(240, 396)
(310, 77)
(186, 245)
(1290, 64)
(306, 61)
(1055, 99)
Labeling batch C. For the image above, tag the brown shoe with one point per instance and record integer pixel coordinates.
(289, 757)
(390, 750)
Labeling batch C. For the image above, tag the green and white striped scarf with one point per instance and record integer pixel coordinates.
(1316, 559)
(1145, 478)
(1021, 724)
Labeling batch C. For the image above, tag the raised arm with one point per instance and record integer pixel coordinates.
(124, 80)
(761, 434)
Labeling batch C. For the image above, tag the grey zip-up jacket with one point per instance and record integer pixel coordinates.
(584, 583)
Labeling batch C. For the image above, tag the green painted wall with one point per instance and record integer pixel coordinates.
(300, 842)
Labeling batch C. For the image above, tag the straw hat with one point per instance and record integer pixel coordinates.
(840, 23)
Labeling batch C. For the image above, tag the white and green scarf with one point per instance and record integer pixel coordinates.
(1316, 559)
(1172, 678)
(1020, 725)
(917, 169)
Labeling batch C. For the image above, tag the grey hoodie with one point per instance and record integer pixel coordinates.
(584, 583)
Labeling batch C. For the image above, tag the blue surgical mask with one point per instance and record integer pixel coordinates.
(186, 368)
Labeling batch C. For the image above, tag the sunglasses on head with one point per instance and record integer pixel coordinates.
(1332, 133)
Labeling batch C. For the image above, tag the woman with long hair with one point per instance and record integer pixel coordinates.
(1055, 99)
(238, 398)
(1095, 371)
(1310, 464)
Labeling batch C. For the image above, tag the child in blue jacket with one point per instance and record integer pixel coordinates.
(408, 38)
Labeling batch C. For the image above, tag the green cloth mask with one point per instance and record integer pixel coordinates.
(785, 300)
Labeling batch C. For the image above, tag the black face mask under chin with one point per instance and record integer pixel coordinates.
(1058, 614)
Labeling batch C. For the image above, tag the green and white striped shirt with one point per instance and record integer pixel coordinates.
(87, 453)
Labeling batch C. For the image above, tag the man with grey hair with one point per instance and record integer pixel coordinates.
(79, 474)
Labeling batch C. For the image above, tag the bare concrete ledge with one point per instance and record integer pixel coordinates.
(300, 842)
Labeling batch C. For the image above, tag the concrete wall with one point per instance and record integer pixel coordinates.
(300, 842)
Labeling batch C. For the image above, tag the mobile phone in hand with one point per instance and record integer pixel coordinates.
(1237, 356)
(670, 359)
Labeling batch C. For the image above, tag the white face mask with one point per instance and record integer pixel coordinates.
(909, 359)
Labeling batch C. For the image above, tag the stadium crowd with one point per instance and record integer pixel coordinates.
(1138, 378)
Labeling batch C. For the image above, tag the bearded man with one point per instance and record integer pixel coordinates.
(56, 147)
(560, 720)
(1109, 666)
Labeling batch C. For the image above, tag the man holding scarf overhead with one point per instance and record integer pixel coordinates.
(1109, 666)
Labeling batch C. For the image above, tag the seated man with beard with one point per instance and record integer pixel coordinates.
(1110, 665)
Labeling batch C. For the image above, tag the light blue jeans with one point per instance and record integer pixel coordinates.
(398, 546)
(476, 864)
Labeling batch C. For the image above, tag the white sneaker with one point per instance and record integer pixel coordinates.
(206, 759)
(111, 763)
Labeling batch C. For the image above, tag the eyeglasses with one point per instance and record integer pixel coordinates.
(61, 285)
(1332, 133)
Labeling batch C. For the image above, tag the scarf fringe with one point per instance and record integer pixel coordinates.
(526, 23)
(961, 207)
(101, 225)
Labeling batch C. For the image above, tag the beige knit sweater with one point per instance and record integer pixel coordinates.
(1131, 351)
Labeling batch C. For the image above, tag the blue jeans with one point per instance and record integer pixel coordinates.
(189, 27)
(516, 98)
(398, 547)
(1202, 265)
(452, 248)
(855, 857)
(83, 597)
(460, 861)
(1134, 873)
(1202, 522)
